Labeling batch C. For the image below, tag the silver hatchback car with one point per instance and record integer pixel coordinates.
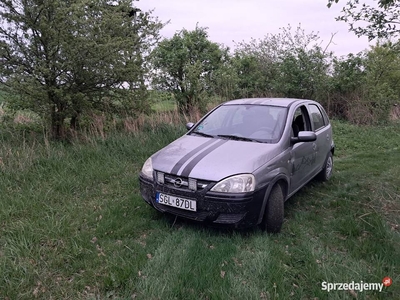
(240, 162)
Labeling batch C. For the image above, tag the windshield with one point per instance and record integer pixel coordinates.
(259, 123)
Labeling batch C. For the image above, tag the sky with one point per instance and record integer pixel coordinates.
(231, 21)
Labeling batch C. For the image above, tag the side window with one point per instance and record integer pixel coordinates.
(301, 121)
(316, 116)
(325, 115)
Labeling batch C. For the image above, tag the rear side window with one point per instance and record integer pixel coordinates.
(316, 116)
(326, 119)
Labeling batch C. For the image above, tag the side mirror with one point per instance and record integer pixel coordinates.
(304, 136)
(189, 125)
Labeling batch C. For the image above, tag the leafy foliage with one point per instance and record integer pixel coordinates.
(382, 21)
(303, 73)
(383, 78)
(365, 87)
(347, 84)
(349, 72)
(65, 58)
(289, 64)
(185, 65)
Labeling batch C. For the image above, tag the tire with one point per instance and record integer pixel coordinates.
(274, 211)
(327, 170)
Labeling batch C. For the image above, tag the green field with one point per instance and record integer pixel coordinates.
(73, 226)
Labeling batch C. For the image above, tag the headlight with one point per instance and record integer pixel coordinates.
(236, 184)
(147, 169)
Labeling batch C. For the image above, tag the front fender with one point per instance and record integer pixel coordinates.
(280, 177)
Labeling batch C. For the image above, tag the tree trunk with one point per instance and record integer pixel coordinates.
(184, 107)
(74, 123)
(57, 123)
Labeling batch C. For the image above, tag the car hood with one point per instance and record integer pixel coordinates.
(212, 158)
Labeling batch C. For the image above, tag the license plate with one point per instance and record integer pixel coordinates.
(176, 201)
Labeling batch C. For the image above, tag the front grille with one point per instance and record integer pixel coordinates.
(185, 183)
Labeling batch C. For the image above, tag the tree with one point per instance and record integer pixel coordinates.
(64, 58)
(349, 73)
(364, 87)
(382, 20)
(185, 65)
(347, 84)
(251, 79)
(226, 81)
(290, 64)
(303, 73)
(383, 78)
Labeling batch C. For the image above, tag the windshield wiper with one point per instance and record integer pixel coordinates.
(238, 138)
(202, 134)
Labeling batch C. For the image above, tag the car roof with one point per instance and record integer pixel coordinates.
(283, 102)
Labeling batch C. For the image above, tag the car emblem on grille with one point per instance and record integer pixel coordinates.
(178, 182)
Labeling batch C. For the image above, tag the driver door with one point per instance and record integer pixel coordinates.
(302, 154)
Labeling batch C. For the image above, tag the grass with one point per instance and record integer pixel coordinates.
(162, 101)
(73, 226)
(164, 106)
(2, 96)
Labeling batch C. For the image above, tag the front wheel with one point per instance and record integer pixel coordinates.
(274, 211)
(326, 172)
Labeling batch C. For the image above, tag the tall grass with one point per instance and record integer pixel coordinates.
(73, 224)
(61, 208)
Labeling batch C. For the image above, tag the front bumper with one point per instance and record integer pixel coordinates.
(216, 209)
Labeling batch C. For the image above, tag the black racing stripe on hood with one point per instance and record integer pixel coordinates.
(185, 158)
(189, 167)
